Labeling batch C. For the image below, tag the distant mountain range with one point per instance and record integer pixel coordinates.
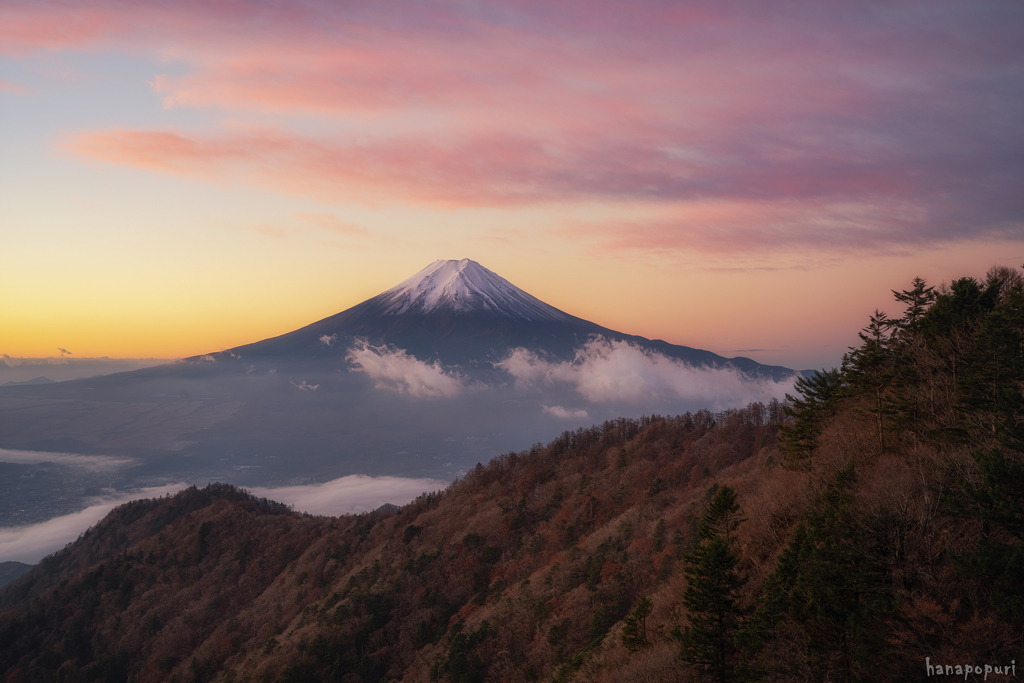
(28, 382)
(9, 571)
(442, 371)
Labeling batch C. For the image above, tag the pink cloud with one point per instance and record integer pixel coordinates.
(332, 223)
(14, 88)
(166, 28)
(763, 226)
(486, 171)
(867, 224)
(840, 126)
(712, 203)
(642, 62)
(30, 27)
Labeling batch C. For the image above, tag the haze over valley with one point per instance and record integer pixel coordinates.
(447, 369)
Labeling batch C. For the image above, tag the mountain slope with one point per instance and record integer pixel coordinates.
(213, 581)
(524, 570)
(463, 314)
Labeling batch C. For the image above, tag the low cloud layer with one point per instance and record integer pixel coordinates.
(395, 370)
(566, 413)
(72, 459)
(33, 542)
(352, 494)
(616, 371)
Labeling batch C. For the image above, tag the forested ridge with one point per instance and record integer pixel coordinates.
(870, 524)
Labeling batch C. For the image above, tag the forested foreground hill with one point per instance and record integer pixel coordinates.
(872, 525)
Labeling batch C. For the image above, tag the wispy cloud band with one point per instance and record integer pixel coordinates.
(608, 371)
(738, 129)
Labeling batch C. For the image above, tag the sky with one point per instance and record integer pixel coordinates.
(182, 177)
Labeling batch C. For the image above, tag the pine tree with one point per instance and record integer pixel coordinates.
(774, 602)
(714, 613)
(871, 368)
(658, 536)
(917, 301)
(819, 398)
(908, 360)
(990, 408)
(634, 626)
(830, 582)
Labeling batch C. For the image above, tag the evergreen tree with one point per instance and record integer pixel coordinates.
(634, 626)
(658, 536)
(871, 368)
(991, 405)
(909, 359)
(957, 312)
(830, 582)
(917, 301)
(818, 400)
(774, 603)
(998, 557)
(993, 370)
(714, 613)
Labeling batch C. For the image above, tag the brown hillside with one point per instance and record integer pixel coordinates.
(549, 547)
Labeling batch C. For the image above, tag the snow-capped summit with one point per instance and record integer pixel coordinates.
(460, 314)
(464, 287)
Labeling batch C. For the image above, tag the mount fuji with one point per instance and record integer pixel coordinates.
(462, 314)
(450, 367)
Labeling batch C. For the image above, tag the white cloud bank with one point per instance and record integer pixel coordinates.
(395, 370)
(566, 413)
(605, 371)
(33, 542)
(352, 494)
(72, 459)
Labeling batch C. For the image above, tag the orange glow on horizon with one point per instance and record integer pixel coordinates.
(182, 177)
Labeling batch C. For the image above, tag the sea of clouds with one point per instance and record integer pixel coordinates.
(609, 371)
(605, 377)
(93, 462)
(346, 495)
(603, 372)
(398, 371)
(32, 542)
